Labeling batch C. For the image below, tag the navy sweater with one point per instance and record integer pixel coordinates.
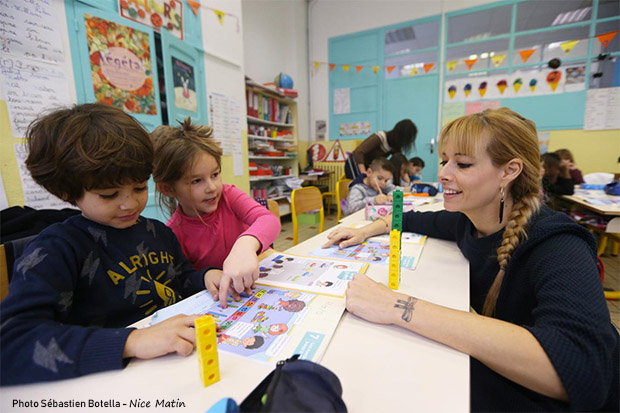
(552, 288)
(77, 286)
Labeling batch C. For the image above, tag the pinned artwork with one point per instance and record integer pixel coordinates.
(184, 85)
(502, 85)
(553, 78)
(158, 14)
(318, 152)
(482, 89)
(452, 91)
(517, 84)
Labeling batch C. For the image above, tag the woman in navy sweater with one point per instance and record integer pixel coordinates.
(540, 338)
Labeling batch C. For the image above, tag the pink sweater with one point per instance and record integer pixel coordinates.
(237, 214)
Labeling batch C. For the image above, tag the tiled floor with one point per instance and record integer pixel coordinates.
(612, 264)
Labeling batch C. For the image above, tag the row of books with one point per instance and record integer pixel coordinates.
(267, 108)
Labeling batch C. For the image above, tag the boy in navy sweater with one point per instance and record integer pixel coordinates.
(81, 282)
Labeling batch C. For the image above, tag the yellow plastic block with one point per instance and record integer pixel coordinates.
(206, 349)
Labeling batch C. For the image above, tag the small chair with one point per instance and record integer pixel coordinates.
(335, 195)
(342, 192)
(304, 200)
(274, 208)
(9, 253)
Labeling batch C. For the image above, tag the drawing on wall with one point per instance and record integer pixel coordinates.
(121, 66)
(156, 14)
(354, 128)
(184, 86)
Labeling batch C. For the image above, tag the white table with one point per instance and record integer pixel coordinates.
(381, 368)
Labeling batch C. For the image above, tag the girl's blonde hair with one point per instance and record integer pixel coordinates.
(176, 151)
(504, 135)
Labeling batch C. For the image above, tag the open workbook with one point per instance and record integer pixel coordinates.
(274, 323)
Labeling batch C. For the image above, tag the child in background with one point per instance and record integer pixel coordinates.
(217, 225)
(568, 160)
(556, 180)
(371, 187)
(415, 168)
(81, 282)
(400, 168)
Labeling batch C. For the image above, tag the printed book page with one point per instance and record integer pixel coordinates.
(270, 325)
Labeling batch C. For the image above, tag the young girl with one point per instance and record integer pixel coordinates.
(217, 225)
(540, 338)
(569, 161)
(400, 177)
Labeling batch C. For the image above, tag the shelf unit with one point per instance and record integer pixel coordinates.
(272, 127)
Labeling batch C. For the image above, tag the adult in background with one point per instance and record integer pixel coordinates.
(379, 144)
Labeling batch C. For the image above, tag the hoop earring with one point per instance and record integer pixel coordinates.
(501, 205)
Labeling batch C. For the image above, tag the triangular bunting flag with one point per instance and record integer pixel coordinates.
(358, 68)
(470, 63)
(331, 66)
(428, 66)
(220, 15)
(335, 154)
(606, 38)
(390, 68)
(526, 54)
(452, 65)
(375, 69)
(568, 46)
(414, 71)
(194, 5)
(317, 64)
(498, 59)
(345, 68)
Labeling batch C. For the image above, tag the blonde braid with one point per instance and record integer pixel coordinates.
(513, 234)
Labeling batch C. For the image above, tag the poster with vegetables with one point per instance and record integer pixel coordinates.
(155, 13)
(121, 65)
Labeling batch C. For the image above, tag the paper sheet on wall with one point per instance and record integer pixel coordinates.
(31, 29)
(30, 88)
(602, 108)
(4, 203)
(226, 122)
(342, 101)
(35, 196)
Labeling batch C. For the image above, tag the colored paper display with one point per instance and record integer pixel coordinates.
(184, 85)
(156, 14)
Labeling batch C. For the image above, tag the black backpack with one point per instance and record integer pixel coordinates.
(294, 386)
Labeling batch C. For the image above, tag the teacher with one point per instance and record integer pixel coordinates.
(379, 144)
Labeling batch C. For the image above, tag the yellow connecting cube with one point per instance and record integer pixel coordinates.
(206, 349)
(394, 267)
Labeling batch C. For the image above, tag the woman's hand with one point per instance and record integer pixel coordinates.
(375, 302)
(345, 237)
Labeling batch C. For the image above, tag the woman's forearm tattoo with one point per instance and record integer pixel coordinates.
(407, 306)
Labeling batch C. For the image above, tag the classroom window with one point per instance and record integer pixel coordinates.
(540, 14)
(608, 8)
(411, 64)
(482, 53)
(411, 38)
(479, 25)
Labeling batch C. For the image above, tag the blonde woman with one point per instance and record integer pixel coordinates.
(542, 338)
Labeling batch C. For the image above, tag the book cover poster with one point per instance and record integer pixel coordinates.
(121, 65)
(184, 85)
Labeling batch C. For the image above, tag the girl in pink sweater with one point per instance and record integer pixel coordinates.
(216, 224)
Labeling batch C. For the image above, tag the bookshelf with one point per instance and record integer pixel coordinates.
(272, 142)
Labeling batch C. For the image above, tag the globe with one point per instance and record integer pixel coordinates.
(284, 81)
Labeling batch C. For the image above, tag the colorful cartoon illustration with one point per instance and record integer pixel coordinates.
(324, 283)
(467, 89)
(517, 84)
(501, 86)
(293, 306)
(249, 342)
(553, 78)
(274, 329)
(482, 89)
(452, 91)
(533, 83)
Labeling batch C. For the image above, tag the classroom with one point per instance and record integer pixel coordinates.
(309, 178)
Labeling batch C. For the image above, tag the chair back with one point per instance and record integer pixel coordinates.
(10, 251)
(342, 192)
(304, 200)
(274, 208)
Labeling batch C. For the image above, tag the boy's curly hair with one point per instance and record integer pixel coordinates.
(85, 147)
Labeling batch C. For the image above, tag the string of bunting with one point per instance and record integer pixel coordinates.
(497, 60)
(195, 6)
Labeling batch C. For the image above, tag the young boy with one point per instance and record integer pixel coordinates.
(81, 282)
(556, 179)
(416, 165)
(373, 186)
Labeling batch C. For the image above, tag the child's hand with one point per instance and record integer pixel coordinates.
(389, 198)
(213, 279)
(174, 335)
(381, 199)
(240, 268)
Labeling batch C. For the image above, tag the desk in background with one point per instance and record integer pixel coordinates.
(595, 200)
(381, 368)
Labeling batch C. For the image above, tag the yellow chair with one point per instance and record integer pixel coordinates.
(333, 194)
(342, 192)
(4, 274)
(304, 200)
(274, 208)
